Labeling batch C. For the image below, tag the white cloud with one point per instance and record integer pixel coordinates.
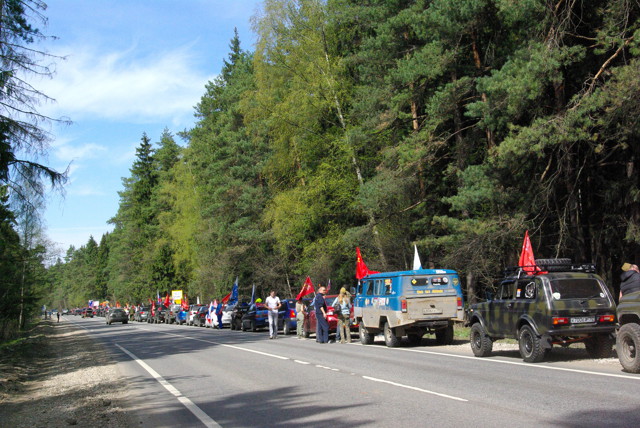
(122, 86)
(67, 152)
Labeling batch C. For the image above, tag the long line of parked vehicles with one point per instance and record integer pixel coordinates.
(561, 304)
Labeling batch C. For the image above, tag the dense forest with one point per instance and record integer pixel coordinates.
(451, 125)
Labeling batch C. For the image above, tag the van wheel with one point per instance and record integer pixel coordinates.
(366, 338)
(481, 344)
(530, 345)
(628, 347)
(390, 338)
(445, 336)
(599, 346)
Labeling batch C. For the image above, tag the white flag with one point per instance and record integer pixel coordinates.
(416, 259)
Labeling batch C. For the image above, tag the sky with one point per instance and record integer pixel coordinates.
(130, 67)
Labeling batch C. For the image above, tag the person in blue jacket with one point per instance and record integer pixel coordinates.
(322, 326)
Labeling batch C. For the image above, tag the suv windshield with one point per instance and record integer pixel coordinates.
(575, 288)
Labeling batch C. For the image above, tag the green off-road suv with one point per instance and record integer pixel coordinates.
(628, 340)
(565, 304)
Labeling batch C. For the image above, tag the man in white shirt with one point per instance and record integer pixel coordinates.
(273, 305)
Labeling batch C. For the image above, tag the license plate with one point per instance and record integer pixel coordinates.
(582, 320)
(426, 311)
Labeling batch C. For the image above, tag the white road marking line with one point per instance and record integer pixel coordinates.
(301, 362)
(197, 412)
(516, 363)
(426, 391)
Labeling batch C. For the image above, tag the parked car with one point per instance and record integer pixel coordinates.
(408, 303)
(226, 315)
(158, 314)
(172, 313)
(311, 322)
(565, 303)
(200, 318)
(87, 313)
(628, 338)
(256, 317)
(237, 313)
(193, 311)
(288, 314)
(142, 314)
(182, 316)
(116, 315)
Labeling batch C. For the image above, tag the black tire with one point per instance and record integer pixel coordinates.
(286, 328)
(444, 336)
(125, 322)
(390, 338)
(530, 345)
(244, 328)
(253, 326)
(628, 347)
(553, 265)
(481, 344)
(232, 325)
(366, 338)
(599, 346)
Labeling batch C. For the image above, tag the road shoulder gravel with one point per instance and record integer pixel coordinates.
(62, 378)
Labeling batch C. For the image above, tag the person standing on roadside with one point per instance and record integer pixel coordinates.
(344, 302)
(322, 326)
(58, 314)
(300, 311)
(273, 306)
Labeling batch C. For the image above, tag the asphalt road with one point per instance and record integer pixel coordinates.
(189, 376)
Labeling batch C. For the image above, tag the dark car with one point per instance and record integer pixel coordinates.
(193, 312)
(158, 314)
(628, 339)
(116, 315)
(237, 313)
(87, 313)
(565, 303)
(288, 315)
(256, 317)
(200, 318)
(172, 313)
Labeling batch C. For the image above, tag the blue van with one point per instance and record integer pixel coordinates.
(408, 303)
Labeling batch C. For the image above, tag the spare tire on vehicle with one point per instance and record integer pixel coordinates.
(554, 265)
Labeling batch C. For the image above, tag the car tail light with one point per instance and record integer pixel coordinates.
(292, 313)
(459, 303)
(560, 320)
(606, 318)
(403, 303)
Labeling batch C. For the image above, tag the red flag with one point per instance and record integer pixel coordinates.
(527, 262)
(361, 267)
(226, 298)
(166, 301)
(185, 303)
(307, 288)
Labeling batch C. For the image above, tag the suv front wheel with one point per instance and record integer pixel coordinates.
(627, 344)
(530, 345)
(481, 344)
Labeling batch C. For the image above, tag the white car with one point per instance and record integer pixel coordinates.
(226, 315)
(193, 310)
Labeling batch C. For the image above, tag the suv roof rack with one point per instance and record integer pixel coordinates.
(549, 265)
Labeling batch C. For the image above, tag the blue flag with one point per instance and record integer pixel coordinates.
(234, 292)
